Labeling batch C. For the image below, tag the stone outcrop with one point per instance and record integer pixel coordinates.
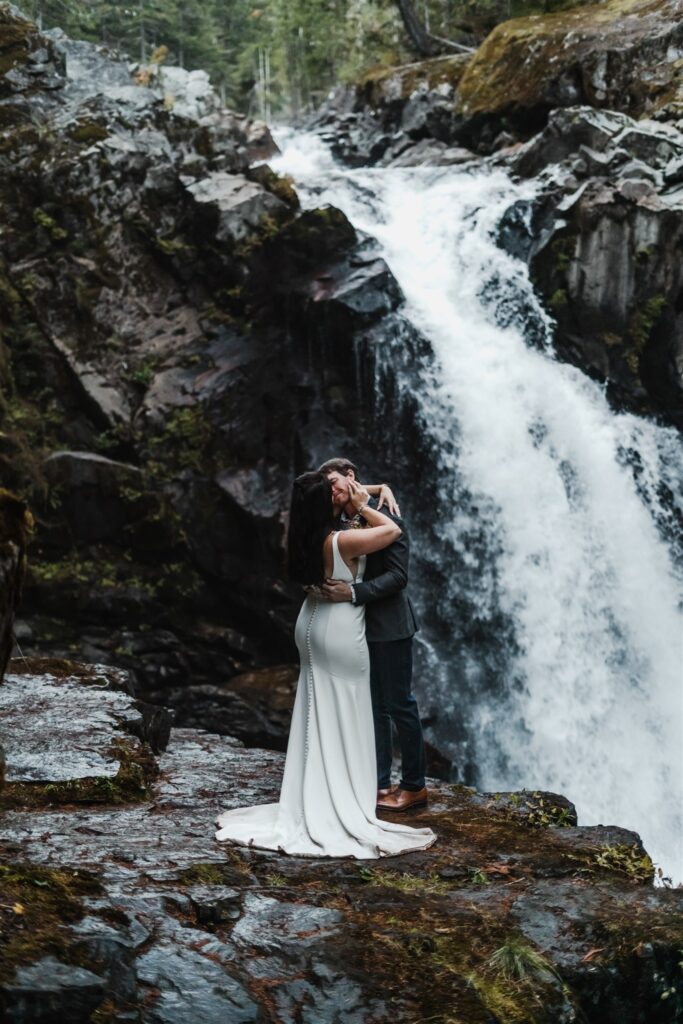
(622, 55)
(603, 237)
(397, 117)
(118, 904)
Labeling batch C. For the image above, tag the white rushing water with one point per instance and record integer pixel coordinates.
(582, 567)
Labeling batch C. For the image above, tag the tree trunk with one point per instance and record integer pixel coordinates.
(425, 44)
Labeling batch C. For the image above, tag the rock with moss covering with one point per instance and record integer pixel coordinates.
(620, 55)
(75, 733)
(131, 910)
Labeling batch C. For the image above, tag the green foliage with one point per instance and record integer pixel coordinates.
(404, 882)
(173, 247)
(516, 959)
(563, 250)
(558, 299)
(645, 319)
(545, 813)
(48, 222)
(626, 860)
(143, 374)
(275, 880)
(181, 444)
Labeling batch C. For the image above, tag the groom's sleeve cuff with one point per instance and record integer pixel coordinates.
(353, 593)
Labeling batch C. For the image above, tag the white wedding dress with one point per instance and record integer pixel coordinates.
(329, 787)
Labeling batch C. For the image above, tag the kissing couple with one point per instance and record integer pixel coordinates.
(354, 637)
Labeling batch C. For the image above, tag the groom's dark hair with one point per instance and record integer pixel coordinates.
(337, 466)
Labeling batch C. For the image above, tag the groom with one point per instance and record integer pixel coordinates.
(390, 624)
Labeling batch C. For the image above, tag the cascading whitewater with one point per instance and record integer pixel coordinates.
(577, 557)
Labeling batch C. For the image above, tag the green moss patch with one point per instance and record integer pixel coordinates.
(518, 62)
(36, 903)
(17, 37)
(60, 668)
(445, 961)
(131, 784)
(234, 870)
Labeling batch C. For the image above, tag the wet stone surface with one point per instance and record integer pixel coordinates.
(183, 928)
(57, 732)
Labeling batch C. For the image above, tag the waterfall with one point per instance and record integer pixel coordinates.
(574, 500)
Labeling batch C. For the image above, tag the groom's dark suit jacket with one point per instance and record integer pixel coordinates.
(389, 612)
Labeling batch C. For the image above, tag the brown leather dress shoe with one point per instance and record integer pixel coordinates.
(403, 800)
(381, 793)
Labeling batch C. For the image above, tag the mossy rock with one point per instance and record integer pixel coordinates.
(87, 132)
(138, 768)
(616, 55)
(279, 185)
(17, 37)
(38, 903)
(314, 237)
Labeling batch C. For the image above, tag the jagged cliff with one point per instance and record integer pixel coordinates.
(178, 340)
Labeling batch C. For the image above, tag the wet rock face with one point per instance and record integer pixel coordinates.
(603, 237)
(132, 909)
(180, 340)
(16, 524)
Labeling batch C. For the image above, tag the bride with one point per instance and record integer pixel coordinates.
(329, 787)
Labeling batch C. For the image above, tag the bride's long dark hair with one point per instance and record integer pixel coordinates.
(311, 517)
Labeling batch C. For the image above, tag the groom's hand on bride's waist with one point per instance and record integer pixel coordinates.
(335, 590)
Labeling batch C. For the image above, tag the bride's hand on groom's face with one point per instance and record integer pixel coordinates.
(357, 493)
(386, 497)
(335, 590)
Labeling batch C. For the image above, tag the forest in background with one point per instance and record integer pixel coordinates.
(275, 57)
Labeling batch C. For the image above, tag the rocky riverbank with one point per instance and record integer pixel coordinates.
(118, 904)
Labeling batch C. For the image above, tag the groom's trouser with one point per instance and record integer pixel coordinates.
(391, 673)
